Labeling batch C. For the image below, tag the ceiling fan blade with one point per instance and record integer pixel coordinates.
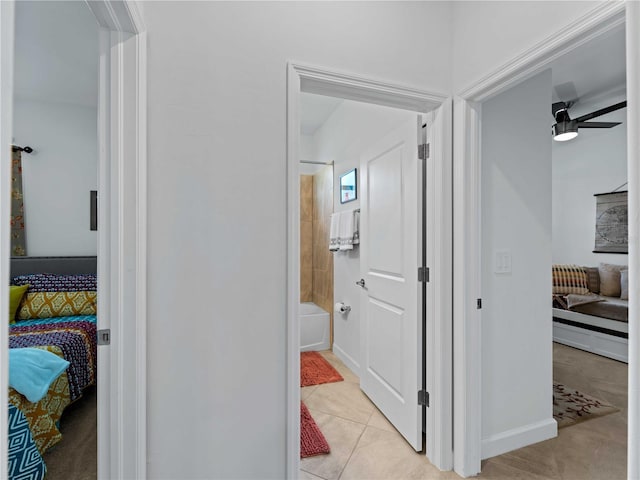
(597, 124)
(602, 111)
(567, 90)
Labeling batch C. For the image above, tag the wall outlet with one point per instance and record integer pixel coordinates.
(502, 262)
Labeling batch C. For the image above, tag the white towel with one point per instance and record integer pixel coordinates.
(334, 233)
(349, 234)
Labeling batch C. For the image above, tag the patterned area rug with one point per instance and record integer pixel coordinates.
(571, 407)
(312, 441)
(314, 370)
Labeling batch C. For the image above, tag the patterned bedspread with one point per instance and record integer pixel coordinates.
(76, 337)
(73, 338)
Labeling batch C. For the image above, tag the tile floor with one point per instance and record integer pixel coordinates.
(364, 445)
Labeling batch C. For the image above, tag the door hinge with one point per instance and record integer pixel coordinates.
(104, 337)
(423, 274)
(423, 151)
(423, 398)
(479, 304)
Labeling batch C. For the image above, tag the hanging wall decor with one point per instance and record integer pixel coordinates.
(612, 232)
(349, 186)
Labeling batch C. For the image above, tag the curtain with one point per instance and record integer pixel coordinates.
(18, 245)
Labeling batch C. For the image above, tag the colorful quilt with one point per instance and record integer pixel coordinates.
(75, 336)
(74, 339)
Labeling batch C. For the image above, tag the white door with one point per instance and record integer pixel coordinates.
(391, 334)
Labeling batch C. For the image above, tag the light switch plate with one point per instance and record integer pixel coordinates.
(502, 263)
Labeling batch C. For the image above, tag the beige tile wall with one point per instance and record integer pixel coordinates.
(306, 238)
(322, 257)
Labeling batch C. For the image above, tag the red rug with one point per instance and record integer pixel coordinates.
(312, 441)
(314, 370)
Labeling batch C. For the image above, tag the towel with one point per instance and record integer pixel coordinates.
(33, 370)
(334, 233)
(349, 229)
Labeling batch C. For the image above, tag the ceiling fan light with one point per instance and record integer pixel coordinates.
(563, 131)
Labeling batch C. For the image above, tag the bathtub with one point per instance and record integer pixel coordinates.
(314, 327)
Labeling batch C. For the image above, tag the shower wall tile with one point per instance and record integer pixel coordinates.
(306, 238)
(322, 257)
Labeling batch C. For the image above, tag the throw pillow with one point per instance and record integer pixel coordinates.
(624, 284)
(57, 304)
(569, 279)
(15, 297)
(610, 279)
(593, 279)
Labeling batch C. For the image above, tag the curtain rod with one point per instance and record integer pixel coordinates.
(16, 148)
(316, 163)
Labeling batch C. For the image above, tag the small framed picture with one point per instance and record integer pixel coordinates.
(349, 186)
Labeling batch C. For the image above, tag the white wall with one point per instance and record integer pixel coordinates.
(307, 148)
(217, 200)
(487, 34)
(350, 129)
(595, 162)
(516, 311)
(58, 176)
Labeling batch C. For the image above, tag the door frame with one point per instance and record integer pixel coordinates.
(322, 81)
(467, 229)
(122, 234)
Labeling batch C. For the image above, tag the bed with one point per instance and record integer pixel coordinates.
(33, 426)
(589, 320)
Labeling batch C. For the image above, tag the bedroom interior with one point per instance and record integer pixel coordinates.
(53, 280)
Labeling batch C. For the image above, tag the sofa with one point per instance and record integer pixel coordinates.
(591, 308)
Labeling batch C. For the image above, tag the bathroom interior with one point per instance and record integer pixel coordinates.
(334, 133)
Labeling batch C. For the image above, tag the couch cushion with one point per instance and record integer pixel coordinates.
(569, 279)
(610, 279)
(593, 279)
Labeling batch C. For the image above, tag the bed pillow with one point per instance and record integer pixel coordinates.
(624, 284)
(57, 304)
(610, 279)
(569, 279)
(51, 282)
(593, 279)
(33, 370)
(15, 297)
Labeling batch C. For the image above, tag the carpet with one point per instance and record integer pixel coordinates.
(312, 441)
(314, 370)
(571, 407)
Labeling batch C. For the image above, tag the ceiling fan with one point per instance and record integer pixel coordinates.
(566, 128)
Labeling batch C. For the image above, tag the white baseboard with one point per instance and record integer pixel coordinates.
(347, 359)
(519, 437)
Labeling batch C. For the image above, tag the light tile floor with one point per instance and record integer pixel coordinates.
(364, 445)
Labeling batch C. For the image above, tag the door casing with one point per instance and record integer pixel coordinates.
(312, 79)
(122, 235)
(467, 317)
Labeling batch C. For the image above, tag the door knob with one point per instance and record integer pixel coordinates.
(360, 283)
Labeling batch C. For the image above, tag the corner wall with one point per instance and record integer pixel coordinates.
(517, 378)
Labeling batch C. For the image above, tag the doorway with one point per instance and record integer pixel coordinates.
(121, 233)
(316, 81)
(469, 128)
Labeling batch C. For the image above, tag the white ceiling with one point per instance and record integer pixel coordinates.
(595, 69)
(315, 110)
(56, 52)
